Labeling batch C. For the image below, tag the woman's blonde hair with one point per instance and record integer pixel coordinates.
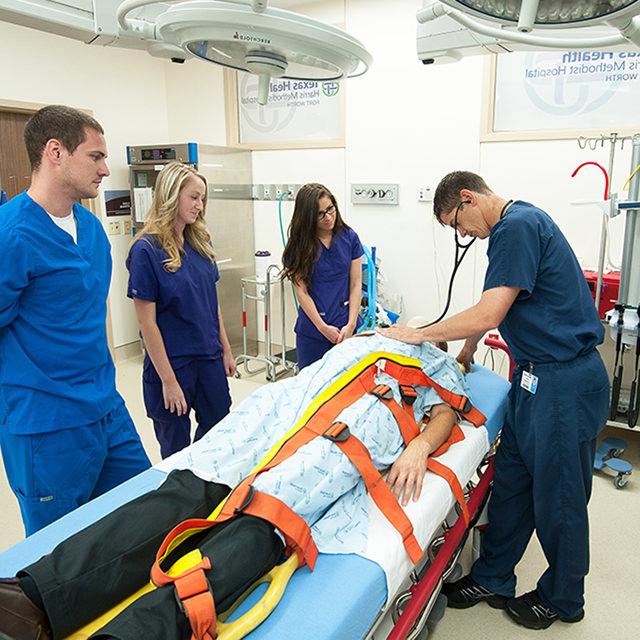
(162, 215)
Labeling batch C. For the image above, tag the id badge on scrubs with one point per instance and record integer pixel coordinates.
(529, 382)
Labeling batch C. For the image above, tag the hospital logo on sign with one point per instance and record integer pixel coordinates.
(330, 88)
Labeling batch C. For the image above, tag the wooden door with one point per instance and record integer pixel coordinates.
(15, 170)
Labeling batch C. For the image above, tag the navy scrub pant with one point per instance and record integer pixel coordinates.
(53, 473)
(206, 390)
(543, 474)
(310, 350)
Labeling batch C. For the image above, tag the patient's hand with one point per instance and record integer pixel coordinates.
(407, 473)
(465, 357)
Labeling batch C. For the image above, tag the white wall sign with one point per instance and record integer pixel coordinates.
(298, 111)
(561, 90)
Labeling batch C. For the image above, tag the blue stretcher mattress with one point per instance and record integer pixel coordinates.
(340, 600)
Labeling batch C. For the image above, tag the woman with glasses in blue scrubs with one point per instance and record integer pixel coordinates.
(323, 259)
(172, 280)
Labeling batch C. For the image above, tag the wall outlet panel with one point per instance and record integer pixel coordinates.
(425, 194)
(374, 193)
(274, 192)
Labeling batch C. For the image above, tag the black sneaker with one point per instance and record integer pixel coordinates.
(466, 592)
(528, 611)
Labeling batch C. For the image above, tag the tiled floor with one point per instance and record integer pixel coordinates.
(613, 586)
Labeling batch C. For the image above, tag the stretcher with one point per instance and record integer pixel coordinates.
(347, 597)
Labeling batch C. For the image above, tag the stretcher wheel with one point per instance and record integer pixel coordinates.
(620, 481)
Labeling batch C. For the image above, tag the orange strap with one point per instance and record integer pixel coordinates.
(407, 424)
(248, 500)
(414, 376)
(194, 592)
(196, 600)
(379, 490)
(452, 480)
(158, 576)
(192, 587)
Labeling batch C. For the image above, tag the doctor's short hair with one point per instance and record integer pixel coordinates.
(65, 124)
(447, 196)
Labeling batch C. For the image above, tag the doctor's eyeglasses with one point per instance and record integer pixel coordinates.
(454, 222)
(329, 211)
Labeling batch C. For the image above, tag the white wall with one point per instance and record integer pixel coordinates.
(412, 124)
(195, 102)
(401, 126)
(541, 173)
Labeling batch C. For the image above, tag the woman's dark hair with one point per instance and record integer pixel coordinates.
(303, 245)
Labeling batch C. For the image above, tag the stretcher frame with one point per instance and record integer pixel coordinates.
(411, 608)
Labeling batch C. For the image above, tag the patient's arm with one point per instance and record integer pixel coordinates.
(407, 473)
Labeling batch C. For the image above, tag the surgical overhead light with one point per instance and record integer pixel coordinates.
(250, 36)
(546, 12)
(517, 18)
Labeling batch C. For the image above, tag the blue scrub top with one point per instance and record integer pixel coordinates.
(55, 368)
(330, 279)
(186, 301)
(553, 318)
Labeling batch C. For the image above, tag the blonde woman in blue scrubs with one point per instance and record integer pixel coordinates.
(172, 280)
(323, 259)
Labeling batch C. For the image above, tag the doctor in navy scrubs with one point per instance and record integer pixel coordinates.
(323, 260)
(535, 292)
(172, 280)
(65, 432)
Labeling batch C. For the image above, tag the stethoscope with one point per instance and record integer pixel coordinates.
(461, 251)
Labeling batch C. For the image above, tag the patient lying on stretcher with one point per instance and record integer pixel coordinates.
(366, 391)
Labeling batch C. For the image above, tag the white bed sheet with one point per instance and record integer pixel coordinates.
(384, 544)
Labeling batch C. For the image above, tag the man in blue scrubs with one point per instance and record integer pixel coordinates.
(534, 291)
(65, 433)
